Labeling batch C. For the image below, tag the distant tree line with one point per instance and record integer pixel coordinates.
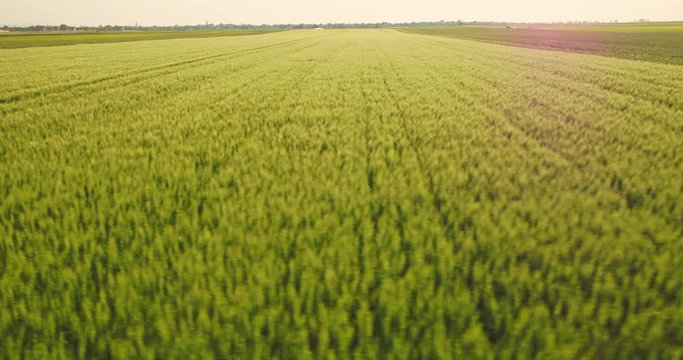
(221, 26)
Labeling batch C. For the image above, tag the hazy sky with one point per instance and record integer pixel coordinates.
(169, 12)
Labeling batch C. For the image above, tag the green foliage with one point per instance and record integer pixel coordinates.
(33, 39)
(337, 194)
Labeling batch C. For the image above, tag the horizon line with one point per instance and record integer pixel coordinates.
(558, 22)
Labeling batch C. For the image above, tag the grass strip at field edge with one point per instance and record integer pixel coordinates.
(20, 41)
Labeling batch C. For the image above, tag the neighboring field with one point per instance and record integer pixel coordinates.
(658, 42)
(22, 40)
(334, 193)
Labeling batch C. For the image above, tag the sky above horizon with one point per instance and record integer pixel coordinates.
(170, 12)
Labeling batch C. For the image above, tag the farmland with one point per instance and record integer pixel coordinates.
(37, 39)
(658, 42)
(336, 194)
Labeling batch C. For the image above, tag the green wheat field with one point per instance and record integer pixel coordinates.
(378, 193)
